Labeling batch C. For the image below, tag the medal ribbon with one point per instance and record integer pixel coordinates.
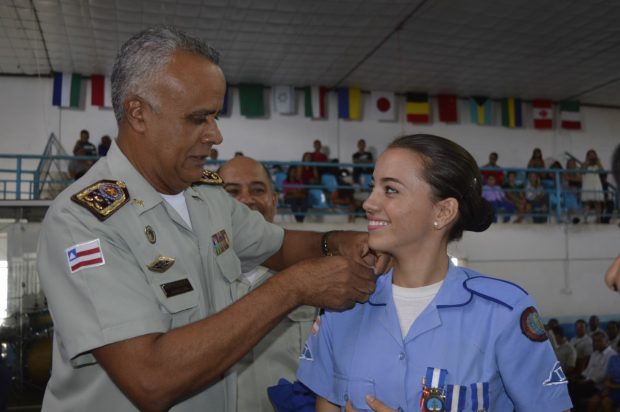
(480, 396)
(435, 377)
(455, 398)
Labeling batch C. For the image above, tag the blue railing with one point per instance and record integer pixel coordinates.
(23, 178)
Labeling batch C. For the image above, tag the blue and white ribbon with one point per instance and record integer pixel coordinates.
(435, 377)
(455, 398)
(480, 396)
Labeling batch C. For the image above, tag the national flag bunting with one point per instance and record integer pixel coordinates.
(448, 111)
(101, 90)
(383, 106)
(314, 102)
(480, 110)
(85, 255)
(350, 103)
(418, 109)
(66, 89)
(284, 99)
(570, 116)
(251, 100)
(511, 112)
(542, 114)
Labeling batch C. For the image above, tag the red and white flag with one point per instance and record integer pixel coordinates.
(101, 91)
(383, 106)
(85, 255)
(543, 114)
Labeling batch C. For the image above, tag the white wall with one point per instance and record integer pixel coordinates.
(27, 118)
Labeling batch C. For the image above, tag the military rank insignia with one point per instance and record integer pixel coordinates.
(161, 264)
(210, 178)
(103, 198)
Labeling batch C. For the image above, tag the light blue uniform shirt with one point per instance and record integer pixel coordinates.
(476, 328)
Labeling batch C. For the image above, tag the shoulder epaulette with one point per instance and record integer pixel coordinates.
(496, 290)
(210, 178)
(103, 198)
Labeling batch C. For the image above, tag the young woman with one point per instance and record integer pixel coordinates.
(592, 194)
(433, 336)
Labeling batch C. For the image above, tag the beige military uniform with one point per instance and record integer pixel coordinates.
(275, 356)
(107, 281)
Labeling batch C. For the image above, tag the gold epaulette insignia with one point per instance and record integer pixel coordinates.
(103, 198)
(210, 178)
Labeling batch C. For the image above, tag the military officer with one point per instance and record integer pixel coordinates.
(139, 258)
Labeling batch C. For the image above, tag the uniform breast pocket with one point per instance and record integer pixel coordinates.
(229, 265)
(175, 291)
(353, 389)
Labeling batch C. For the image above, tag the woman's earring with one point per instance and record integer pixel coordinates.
(436, 225)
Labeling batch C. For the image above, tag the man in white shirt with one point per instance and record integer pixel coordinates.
(566, 353)
(612, 334)
(276, 355)
(592, 379)
(583, 344)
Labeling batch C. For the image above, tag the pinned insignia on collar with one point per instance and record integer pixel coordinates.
(532, 326)
(161, 264)
(150, 234)
(137, 202)
(210, 178)
(103, 198)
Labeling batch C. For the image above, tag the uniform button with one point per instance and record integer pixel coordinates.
(401, 355)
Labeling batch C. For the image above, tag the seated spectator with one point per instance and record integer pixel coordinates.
(78, 167)
(609, 398)
(591, 381)
(536, 161)
(537, 198)
(594, 326)
(361, 156)
(582, 343)
(495, 195)
(213, 155)
(515, 194)
(566, 353)
(83, 143)
(309, 174)
(295, 195)
(343, 196)
(613, 333)
(104, 146)
(563, 197)
(498, 174)
(573, 177)
(317, 155)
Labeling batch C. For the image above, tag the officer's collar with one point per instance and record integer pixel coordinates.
(142, 194)
(451, 294)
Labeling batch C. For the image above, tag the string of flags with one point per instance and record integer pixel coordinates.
(383, 104)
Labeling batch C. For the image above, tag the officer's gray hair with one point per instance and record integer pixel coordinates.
(144, 55)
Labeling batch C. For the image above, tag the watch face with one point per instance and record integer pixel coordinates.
(434, 404)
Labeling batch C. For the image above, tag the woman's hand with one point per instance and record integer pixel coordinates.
(374, 404)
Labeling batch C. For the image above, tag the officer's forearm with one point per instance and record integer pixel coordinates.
(157, 371)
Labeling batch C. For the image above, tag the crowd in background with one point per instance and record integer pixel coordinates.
(516, 195)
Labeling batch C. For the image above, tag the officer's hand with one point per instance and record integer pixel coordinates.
(355, 246)
(375, 404)
(333, 282)
(612, 277)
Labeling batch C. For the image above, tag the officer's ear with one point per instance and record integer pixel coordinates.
(133, 107)
(446, 211)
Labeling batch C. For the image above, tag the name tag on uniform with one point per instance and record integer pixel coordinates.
(177, 287)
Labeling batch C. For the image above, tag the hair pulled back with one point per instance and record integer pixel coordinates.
(451, 171)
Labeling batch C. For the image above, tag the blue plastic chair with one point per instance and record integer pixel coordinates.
(278, 179)
(330, 182)
(318, 200)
